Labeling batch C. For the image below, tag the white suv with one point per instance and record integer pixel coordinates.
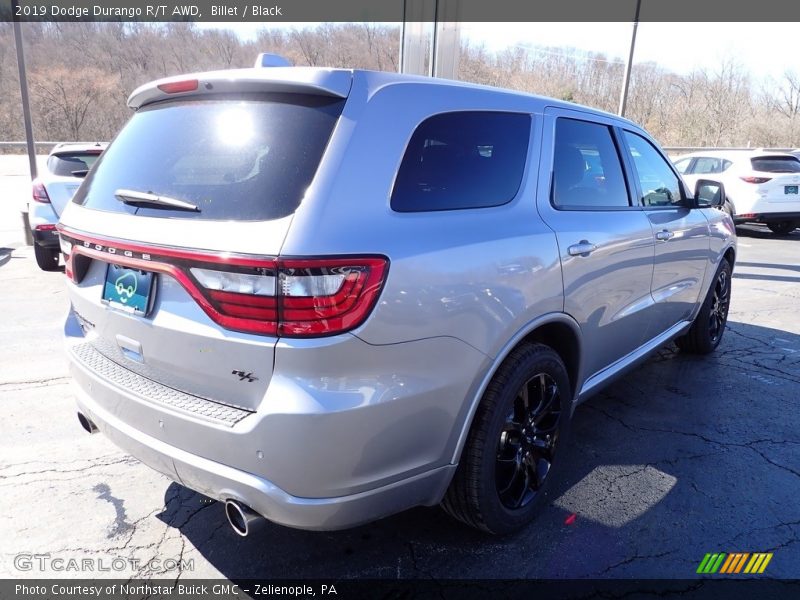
(67, 165)
(761, 186)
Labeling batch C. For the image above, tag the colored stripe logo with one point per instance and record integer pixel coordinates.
(734, 563)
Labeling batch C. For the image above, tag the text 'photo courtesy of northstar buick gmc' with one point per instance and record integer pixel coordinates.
(324, 296)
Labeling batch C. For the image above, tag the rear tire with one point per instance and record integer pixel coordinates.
(46, 258)
(706, 331)
(506, 468)
(782, 227)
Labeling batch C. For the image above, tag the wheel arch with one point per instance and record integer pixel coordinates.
(560, 332)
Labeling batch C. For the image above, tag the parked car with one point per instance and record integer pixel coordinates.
(67, 165)
(761, 186)
(324, 296)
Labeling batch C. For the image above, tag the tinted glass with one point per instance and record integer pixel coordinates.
(64, 164)
(682, 165)
(462, 160)
(776, 164)
(244, 158)
(586, 168)
(660, 186)
(708, 165)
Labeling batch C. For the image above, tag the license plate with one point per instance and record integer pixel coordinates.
(127, 289)
(790, 189)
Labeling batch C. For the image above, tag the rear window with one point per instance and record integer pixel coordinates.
(72, 164)
(776, 164)
(460, 160)
(248, 158)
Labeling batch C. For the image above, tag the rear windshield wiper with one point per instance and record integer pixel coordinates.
(135, 198)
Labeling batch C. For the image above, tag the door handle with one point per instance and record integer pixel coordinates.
(664, 235)
(582, 248)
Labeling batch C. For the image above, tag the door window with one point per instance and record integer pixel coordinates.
(659, 184)
(586, 169)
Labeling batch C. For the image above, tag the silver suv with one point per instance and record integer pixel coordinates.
(324, 296)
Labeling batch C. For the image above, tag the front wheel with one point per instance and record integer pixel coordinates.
(706, 331)
(506, 467)
(782, 227)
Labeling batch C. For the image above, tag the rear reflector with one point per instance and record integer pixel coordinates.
(176, 87)
(755, 179)
(311, 297)
(45, 227)
(40, 193)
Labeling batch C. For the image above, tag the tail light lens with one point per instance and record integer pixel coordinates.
(39, 192)
(176, 87)
(284, 297)
(755, 179)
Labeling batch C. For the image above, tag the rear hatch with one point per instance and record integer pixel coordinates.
(66, 172)
(778, 181)
(175, 231)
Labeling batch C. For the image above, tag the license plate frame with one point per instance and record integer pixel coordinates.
(129, 290)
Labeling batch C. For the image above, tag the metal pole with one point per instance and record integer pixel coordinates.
(23, 90)
(26, 114)
(623, 97)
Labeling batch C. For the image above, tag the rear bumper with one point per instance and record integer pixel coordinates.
(223, 482)
(322, 451)
(767, 217)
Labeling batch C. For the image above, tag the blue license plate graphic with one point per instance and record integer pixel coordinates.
(790, 189)
(128, 289)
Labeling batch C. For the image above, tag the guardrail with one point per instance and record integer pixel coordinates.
(51, 144)
(688, 149)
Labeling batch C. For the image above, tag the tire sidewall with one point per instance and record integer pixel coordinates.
(707, 343)
(497, 517)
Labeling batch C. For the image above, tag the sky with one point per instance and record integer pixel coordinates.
(766, 50)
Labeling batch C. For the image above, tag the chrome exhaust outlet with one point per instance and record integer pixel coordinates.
(87, 424)
(243, 519)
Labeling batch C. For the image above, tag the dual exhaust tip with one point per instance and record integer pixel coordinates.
(87, 424)
(242, 519)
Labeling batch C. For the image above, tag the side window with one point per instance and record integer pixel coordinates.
(463, 160)
(705, 166)
(660, 186)
(682, 165)
(586, 168)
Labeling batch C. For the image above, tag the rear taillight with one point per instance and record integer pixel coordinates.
(39, 192)
(45, 227)
(308, 297)
(755, 179)
(327, 296)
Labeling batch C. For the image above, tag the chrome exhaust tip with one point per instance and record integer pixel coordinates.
(86, 423)
(243, 519)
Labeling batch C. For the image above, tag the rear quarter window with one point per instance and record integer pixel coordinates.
(244, 158)
(459, 160)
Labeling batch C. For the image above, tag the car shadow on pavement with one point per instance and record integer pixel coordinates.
(683, 456)
(761, 232)
(5, 255)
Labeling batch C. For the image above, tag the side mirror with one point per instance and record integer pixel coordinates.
(709, 194)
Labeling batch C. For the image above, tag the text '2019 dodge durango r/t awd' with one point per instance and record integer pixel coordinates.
(324, 296)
